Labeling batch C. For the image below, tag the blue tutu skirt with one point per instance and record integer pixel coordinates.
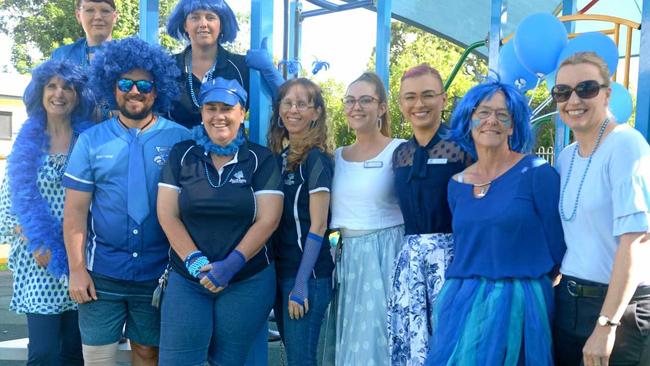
(477, 321)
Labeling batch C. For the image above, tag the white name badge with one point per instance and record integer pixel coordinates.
(372, 164)
(433, 161)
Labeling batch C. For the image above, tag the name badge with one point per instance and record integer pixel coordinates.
(373, 164)
(433, 161)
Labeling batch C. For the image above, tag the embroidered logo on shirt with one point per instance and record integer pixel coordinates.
(289, 180)
(238, 178)
(104, 156)
(162, 153)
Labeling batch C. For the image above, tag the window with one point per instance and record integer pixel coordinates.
(5, 125)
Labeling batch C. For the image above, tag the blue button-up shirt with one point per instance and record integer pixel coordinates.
(117, 246)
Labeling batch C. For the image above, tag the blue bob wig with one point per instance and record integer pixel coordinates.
(71, 75)
(176, 22)
(128, 54)
(461, 119)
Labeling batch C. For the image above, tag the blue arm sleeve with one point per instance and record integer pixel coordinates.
(546, 196)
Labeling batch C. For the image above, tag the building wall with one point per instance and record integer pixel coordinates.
(12, 87)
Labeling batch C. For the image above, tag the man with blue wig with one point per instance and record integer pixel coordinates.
(97, 18)
(116, 248)
(207, 25)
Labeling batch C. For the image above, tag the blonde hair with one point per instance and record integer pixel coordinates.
(589, 58)
(315, 136)
(373, 79)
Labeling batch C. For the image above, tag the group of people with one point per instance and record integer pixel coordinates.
(164, 224)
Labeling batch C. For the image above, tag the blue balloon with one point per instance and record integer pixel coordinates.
(596, 42)
(538, 41)
(550, 80)
(620, 103)
(512, 72)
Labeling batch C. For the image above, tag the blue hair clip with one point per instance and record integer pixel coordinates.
(318, 65)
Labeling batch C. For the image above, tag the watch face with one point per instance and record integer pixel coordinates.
(602, 321)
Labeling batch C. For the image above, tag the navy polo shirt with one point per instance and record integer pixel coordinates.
(421, 177)
(228, 65)
(313, 175)
(117, 246)
(218, 208)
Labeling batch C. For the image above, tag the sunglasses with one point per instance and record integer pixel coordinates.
(144, 86)
(585, 89)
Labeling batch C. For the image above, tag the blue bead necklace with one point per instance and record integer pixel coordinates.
(574, 211)
(207, 77)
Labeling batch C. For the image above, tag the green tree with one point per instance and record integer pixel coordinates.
(38, 27)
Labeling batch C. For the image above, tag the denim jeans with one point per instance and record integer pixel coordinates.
(199, 326)
(575, 320)
(54, 340)
(300, 336)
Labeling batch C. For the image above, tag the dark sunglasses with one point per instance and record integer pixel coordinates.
(144, 86)
(585, 89)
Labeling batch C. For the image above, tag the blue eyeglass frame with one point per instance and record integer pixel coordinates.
(144, 86)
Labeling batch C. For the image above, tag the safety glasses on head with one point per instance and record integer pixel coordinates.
(144, 86)
(585, 90)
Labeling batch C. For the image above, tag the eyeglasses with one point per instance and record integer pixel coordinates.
(484, 113)
(144, 86)
(364, 101)
(427, 97)
(585, 89)
(286, 105)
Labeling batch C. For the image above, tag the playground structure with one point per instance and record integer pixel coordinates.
(498, 19)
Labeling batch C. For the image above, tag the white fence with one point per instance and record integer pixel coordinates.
(546, 153)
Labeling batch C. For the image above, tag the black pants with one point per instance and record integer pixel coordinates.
(575, 320)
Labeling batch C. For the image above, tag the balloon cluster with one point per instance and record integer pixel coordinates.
(541, 44)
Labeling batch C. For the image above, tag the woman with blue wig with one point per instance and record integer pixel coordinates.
(31, 211)
(207, 25)
(496, 304)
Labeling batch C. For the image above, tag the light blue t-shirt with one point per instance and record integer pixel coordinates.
(614, 200)
(117, 246)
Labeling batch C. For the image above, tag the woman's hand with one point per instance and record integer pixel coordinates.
(206, 282)
(599, 346)
(297, 309)
(42, 257)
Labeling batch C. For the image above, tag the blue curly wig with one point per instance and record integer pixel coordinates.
(176, 22)
(119, 57)
(461, 119)
(72, 75)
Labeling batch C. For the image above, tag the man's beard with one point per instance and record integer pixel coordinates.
(134, 116)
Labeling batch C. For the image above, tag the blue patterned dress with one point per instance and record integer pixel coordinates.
(35, 291)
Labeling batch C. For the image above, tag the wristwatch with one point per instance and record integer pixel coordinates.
(604, 321)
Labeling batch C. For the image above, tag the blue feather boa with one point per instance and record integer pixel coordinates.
(202, 139)
(39, 226)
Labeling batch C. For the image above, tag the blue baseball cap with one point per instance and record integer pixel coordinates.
(224, 91)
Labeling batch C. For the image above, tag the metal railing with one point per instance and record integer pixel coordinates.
(546, 153)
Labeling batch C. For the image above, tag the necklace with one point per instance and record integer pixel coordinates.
(483, 189)
(221, 184)
(574, 211)
(207, 77)
(142, 128)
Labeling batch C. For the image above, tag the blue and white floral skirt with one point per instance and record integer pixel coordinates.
(418, 277)
(364, 274)
(478, 321)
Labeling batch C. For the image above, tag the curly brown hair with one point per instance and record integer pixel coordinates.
(316, 136)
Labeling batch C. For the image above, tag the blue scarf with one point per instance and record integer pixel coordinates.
(42, 230)
(202, 139)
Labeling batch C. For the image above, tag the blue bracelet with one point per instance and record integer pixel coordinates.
(194, 261)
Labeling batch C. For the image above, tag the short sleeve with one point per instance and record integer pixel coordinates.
(169, 176)
(79, 174)
(546, 196)
(319, 171)
(629, 172)
(267, 178)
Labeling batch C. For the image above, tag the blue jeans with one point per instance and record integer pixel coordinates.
(199, 326)
(118, 303)
(300, 336)
(54, 339)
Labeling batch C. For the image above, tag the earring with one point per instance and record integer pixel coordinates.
(313, 124)
(280, 124)
(379, 123)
